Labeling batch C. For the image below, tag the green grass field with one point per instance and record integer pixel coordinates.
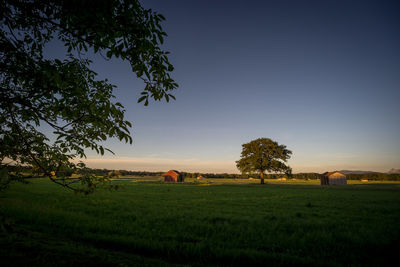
(208, 222)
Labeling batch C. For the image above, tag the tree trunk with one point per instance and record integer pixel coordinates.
(262, 177)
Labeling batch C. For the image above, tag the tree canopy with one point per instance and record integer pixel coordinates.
(262, 155)
(64, 92)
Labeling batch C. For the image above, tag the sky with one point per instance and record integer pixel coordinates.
(321, 77)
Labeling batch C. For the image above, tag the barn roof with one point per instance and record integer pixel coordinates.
(171, 171)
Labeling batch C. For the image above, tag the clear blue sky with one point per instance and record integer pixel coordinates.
(322, 77)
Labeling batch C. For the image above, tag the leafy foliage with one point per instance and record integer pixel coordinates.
(262, 155)
(64, 93)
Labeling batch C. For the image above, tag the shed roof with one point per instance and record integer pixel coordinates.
(330, 173)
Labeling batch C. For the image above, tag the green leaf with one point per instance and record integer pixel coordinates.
(142, 98)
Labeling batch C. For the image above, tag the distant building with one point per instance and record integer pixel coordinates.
(173, 176)
(333, 178)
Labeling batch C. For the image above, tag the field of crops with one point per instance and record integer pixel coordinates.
(207, 222)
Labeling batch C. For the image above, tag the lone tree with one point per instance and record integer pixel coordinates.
(262, 155)
(64, 92)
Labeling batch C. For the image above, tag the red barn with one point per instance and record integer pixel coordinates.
(173, 176)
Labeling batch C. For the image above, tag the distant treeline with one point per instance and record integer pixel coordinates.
(379, 176)
(370, 176)
(305, 176)
(102, 172)
(375, 176)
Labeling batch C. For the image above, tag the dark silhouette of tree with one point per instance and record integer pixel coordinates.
(64, 93)
(262, 155)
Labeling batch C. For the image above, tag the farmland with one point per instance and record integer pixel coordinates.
(207, 222)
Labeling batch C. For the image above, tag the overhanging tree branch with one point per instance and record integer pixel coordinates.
(65, 94)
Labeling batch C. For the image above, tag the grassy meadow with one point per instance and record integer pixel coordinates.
(207, 222)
